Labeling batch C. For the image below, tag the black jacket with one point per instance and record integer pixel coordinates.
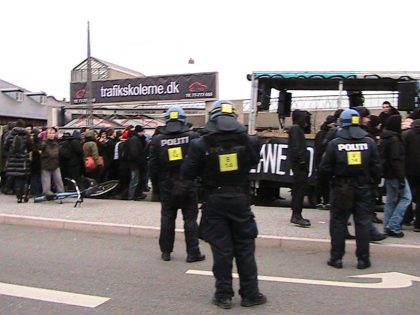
(336, 159)
(159, 161)
(135, 149)
(297, 153)
(320, 144)
(197, 165)
(18, 164)
(392, 153)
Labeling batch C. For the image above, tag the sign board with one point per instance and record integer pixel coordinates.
(274, 166)
(203, 86)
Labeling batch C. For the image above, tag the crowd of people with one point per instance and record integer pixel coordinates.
(354, 150)
(37, 161)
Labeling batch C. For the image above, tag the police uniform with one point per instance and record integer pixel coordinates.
(223, 158)
(168, 150)
(352, 163)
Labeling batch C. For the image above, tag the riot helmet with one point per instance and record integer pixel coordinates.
(349, 117)
(350, 123)
(175, 113)
(222, 118)
(175, 119)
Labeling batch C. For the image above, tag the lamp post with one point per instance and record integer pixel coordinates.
(89, 105)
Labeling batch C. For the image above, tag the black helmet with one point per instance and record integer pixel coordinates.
(223, 118)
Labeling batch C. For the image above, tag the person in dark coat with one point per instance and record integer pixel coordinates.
(71, 163)
(411, 138)
(298, 157)
(351, 164)
(168, 150)
(108, 148)
(223, 158)
(7, 181)
(18, 147)
(398, 194)
(136, 158)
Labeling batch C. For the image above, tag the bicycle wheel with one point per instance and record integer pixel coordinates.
(39, 199)
(103, 188)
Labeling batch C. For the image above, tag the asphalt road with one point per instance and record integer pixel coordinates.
(129, 272)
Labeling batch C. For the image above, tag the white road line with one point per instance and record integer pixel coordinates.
(51, 295)
(389, 280)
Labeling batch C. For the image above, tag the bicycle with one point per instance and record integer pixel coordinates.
(93, 190)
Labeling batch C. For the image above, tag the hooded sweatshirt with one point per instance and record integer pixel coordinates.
(297, 152)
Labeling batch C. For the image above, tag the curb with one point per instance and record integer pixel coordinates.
(284, 242)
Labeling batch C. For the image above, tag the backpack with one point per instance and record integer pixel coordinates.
(18, 146)
(65, 150)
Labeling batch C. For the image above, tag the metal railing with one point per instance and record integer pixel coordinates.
(330, 102)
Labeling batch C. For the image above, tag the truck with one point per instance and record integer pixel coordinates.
(273, 170)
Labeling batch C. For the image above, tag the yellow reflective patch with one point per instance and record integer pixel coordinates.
(355, 120)
(354, 158)
(226, 108)
(175, 154)
(173, 115)
(228, 162)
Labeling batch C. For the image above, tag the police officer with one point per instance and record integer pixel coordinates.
(352, 163)
(168, 150)
(223, 158)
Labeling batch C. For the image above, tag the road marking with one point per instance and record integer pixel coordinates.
(51, 295)
(390, 280)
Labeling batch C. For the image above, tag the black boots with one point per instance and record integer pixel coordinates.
(300, 221)
(256, 300)
(336, 263)
(222, 302)
(226, 302)
(194, 258)
(166, 256)
(363, 263)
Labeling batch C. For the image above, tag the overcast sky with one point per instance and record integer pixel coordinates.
(43, 40)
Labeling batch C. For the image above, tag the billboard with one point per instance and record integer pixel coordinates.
(194, 86)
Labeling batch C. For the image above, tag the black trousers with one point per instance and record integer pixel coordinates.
(362, 219)
(168, 217)
(229, 226)
(300, 178)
